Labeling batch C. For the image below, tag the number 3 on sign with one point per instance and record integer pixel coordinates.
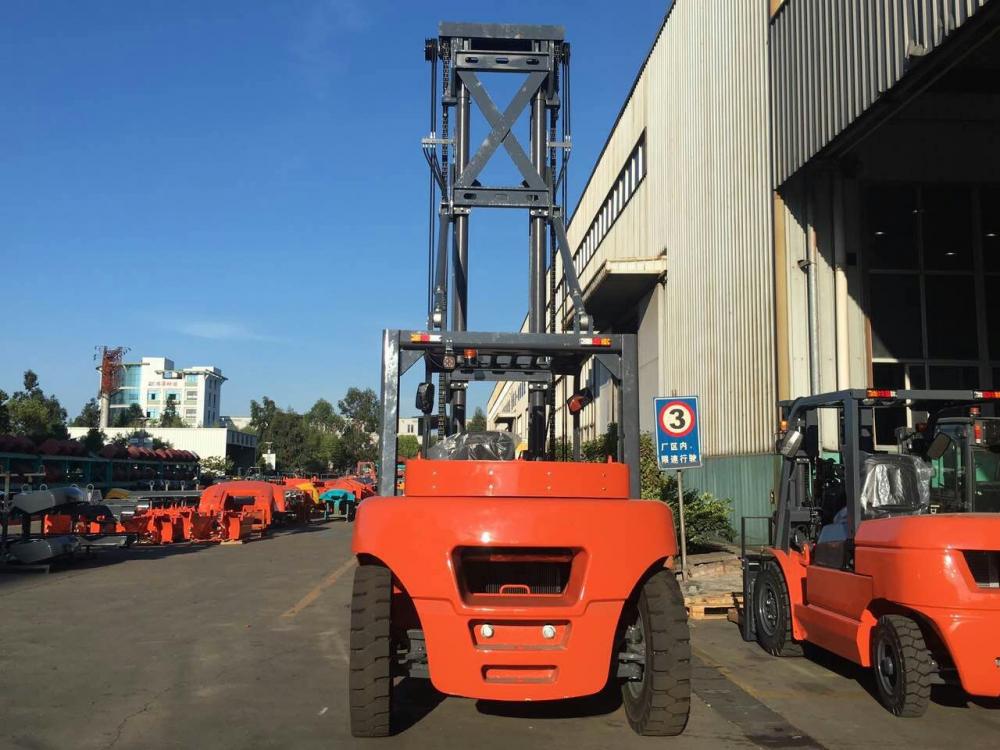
(676, 419)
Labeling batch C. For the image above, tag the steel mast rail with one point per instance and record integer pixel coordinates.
(539, 55)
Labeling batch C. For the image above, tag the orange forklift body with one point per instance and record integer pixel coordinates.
(913, 565)
(460, 514)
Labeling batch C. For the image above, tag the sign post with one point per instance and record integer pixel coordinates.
(678, 447)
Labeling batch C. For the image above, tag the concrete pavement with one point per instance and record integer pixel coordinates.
(246, 647)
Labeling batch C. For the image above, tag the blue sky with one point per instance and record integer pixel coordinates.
(240, 183)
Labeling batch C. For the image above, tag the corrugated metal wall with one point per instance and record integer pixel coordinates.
(702, 100)
(746, 480)
(832, 59)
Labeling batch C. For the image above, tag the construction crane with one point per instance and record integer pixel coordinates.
(495, 577)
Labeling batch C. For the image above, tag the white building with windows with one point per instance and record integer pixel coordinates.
(151, 382)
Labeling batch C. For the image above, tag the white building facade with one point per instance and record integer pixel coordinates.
(208, 442)
(151, 382)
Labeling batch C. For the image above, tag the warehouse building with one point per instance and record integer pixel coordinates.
(795, 197)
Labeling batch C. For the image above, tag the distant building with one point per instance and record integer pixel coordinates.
(236, 423)
(409, 426)
(207, 442)
(151, 382)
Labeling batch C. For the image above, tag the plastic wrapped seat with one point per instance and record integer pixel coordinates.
(895, 485)
(475, 446)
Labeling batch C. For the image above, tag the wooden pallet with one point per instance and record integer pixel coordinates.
(713, 606)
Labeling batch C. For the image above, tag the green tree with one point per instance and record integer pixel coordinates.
(215, 467)
(358, 437)
(94, 439)
(322, 416)
(4, 412)
(133, 416)
(600, 448)
(140, 437)
(35, 415)
(360, 407)
(478, 421)
(407, 446)
(90, 415)
(170, 417)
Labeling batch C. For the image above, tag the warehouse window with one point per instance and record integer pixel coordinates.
(932, 254)
(133, 376)
(618, 197)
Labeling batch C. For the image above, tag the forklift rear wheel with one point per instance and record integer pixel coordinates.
(903, 665)
(659, 703)
(772, 613)
(371, 652)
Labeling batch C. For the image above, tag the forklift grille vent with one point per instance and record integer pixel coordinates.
(985, 568)
(515, 571)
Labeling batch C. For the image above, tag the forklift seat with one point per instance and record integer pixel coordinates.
(833, 549)
(894, 484)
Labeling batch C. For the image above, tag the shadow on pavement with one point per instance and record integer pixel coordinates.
(607, 701)
(412, 700)
(92, 560)
(951, 696)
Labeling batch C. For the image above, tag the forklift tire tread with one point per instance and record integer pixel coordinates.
(371, 652)
(663, 704)
(914, 666)
(779, 642)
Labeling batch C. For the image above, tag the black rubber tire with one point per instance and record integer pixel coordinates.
(659, 705)
(772, 613)
(904, 682)
(371, 652)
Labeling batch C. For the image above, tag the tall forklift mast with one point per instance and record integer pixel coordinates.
(469, 577)
(540, 56)
(459, 58)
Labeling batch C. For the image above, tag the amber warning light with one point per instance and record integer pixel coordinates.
(880, 393)
(425, 338)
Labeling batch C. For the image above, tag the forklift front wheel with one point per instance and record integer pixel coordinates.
(659, 703)
(903, 666)
(371, 652)
(773, 614)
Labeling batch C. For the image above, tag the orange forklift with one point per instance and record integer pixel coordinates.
(499, 575)
(888, 559)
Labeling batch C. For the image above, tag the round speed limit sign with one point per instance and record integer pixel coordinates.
(676, 419)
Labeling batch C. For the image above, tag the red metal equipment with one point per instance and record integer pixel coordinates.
(515, 547)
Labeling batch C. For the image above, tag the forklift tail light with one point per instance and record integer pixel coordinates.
(425, 338)
(595, 341)
(989, 395)
(880, 393)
